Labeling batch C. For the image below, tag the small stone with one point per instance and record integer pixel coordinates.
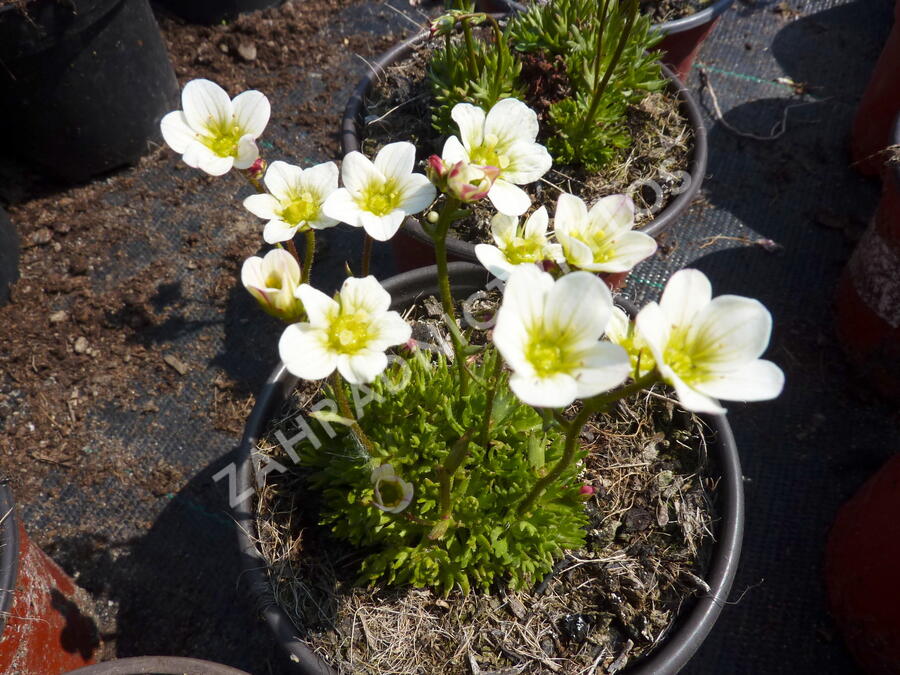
(223, 48)
(177, 364)
(41, 237)
(247, 51)
(81, 345)
(59, 317)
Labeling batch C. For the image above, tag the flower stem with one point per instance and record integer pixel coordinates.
(573, 433)
(255, 182)
(470, 45)
(366, 255)
(292, 249)
(597, 94)
(308, 257)
(445, 471)
(337, 385)
(491, 395)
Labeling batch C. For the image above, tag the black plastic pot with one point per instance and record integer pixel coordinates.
(414, 248)
(214, 11)
(690, 629)
(683, 36)
(157, 665)
(9, 552)
(9, 259)
(84, 84)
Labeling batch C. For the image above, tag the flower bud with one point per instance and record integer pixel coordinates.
(470, 182)
(258, 169)
(443, 25)
(272, 280)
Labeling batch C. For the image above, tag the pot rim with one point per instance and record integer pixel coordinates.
(894, 169)
(165, 665)
(680, 25)
(356, 105)
(686, 634)
(9, 552)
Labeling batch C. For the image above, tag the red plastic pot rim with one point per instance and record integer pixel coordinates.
(689, 630)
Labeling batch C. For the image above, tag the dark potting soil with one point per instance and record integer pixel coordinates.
(399, 108)
(669, 10)
(602, 606)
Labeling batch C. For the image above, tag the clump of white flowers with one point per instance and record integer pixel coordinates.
(558, 338)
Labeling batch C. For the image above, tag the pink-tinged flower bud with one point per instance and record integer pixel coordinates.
(443, 25)
(436, 170)
(258, 169)
(470, 182)
(586, 491)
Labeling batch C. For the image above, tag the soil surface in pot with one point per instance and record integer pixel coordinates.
(599, 609)
(399, 108)
(669, 10)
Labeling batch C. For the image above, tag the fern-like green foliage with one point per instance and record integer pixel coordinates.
(483, 73)
(414, 429)
(482, 77)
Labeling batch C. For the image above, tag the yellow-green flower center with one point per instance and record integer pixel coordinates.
(391, 492)
(303, 208)
(223, 139)
(684, 359)
(524, 250)
(487, 154)
(602, 247)
(349, 332)
(273, 280)
(380, 199)
(549, 355)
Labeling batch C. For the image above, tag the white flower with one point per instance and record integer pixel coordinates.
(350, 333)
(548, 332)
(295, 199)
(620, 330)
(517, 246)
(392, 493)
(602, 239)
(378, 195)
(505, 139)
(213, 132)
(273, 281)
(708, 348)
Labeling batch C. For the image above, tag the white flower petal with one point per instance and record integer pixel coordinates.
(604, 366)
(357, 172)
(280, 180)
(686, 293)
(510, 120)
(282, 264)
(630, 249)
(321, 178)
(247, 152)
(277, 231)
(176, 131)
(251, 112)
(613, 214)
(652, 325)
(493, 260)
(206, 106)
(363, 366)
(382, 228)
(556, 391)
(470, 120)
(364, 294)
(577, 253)
(537, 223)
(391, 330)
(509, 199)
(262, 206)
(730, 331)
(503, 228)
(396, 160)
(690, 398)
(209, 161)
(618, 326)
(758, 380)
(302, 349)
(578, 308)
(418, 193)
(341, 206)
(527, 162)
(454, 151)
(251, 273)
(319, 307)
(571, 214)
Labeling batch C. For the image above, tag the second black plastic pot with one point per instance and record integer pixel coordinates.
(214, 11)
(9, 258)
(157, 665)
(84, 84)
(414, 248)
(695, 620)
